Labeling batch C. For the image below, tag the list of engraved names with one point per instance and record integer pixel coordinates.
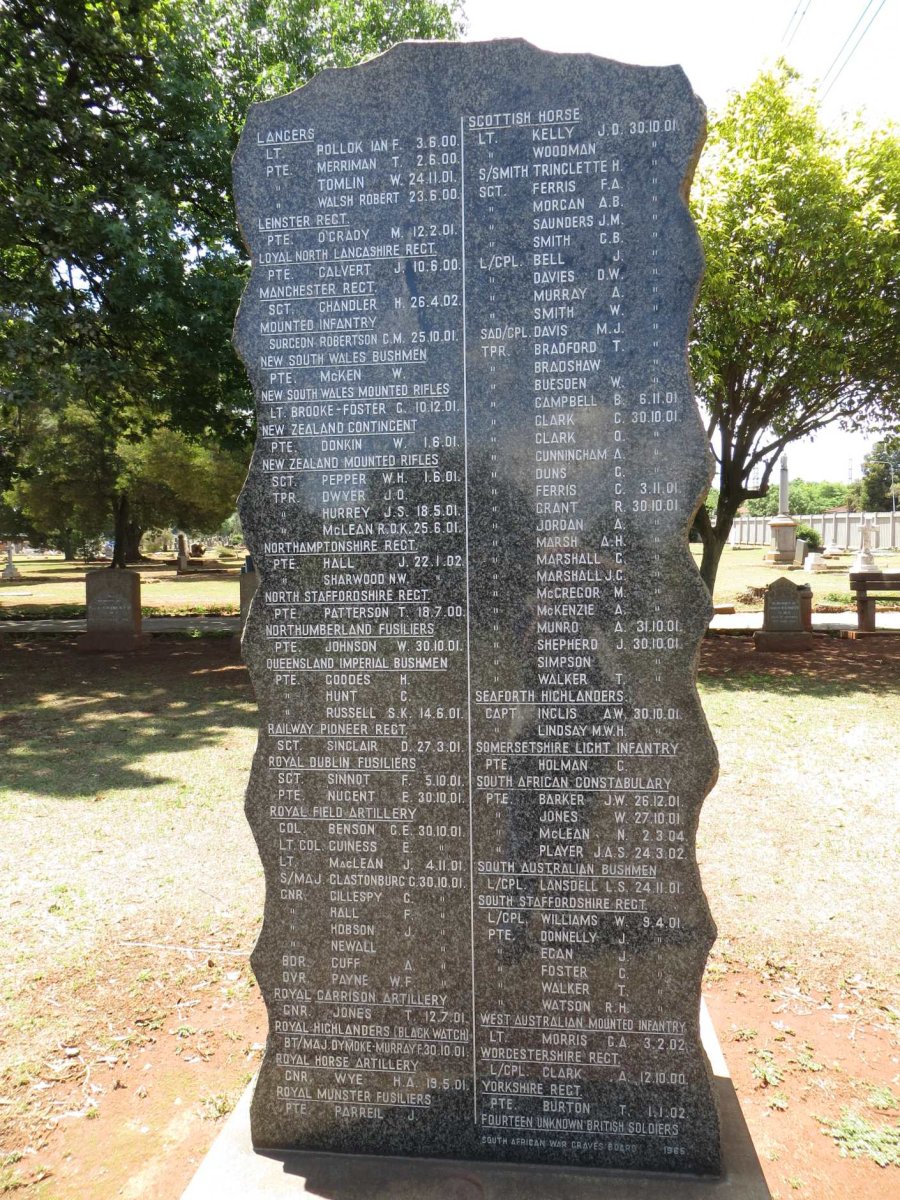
(471, 750)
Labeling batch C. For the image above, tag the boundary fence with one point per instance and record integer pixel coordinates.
(835, 529)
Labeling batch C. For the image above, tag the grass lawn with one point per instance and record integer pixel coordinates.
(51, 587)
(742, 569)
(132, 892)
(808, 747)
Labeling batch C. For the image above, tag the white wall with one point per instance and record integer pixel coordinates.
(840, 529)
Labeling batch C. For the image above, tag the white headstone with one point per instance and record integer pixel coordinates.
(10, 571)
(869, 539)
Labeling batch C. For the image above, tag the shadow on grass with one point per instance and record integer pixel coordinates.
(75, 725)
(833, 668)
(38, 607)
(78, 726)
(150, 571)
(44, 578)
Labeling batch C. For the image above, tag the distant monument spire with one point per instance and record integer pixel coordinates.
(784, 503)
(782, 528)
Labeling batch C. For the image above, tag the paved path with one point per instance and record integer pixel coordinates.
(73, 625)
(822, 622)
(727, 622)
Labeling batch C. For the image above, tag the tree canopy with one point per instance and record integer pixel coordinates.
(797, 317)
(803, 497)
(879, 487)
(121, 265)
(72, 467)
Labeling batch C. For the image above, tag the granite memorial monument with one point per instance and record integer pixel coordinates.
(481, 756)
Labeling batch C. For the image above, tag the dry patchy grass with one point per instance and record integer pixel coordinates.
(57, 585)
(50, 587)
(742, 570)
(132, 891)
(798, 840)
(122, 786)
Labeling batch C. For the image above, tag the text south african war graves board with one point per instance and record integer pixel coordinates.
(481, 756)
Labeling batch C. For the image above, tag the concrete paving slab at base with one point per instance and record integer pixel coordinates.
(886, 622)
(72, 625)
(232, 1170)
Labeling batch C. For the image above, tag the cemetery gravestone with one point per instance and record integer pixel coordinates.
(113, 611)
(784, 623)
(869, 540)
(10, 571)
(482, 756)
(815, 563)
(805, 592)
(249, 581)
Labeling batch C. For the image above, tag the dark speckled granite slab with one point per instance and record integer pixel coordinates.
(232, 1171)
(482, 756)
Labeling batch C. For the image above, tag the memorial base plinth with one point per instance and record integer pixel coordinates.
(784, 541)
(110, 643)
(785, 643)
(233, 1170)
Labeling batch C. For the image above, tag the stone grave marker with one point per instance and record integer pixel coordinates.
(784, 624)
(113, 611)
(801, 548)
(481, 756)
(805, 592)
(249, 581)
(869, 540)
(815, 562)
(10, 571)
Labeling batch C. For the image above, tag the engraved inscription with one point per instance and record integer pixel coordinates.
(482, 756)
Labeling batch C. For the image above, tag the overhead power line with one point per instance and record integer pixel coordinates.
(797, 26)
(847, 39)
(856, 44)
(791, 21)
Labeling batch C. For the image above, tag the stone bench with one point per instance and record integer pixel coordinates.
(864, 582)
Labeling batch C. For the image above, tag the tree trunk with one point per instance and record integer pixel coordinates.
(714, 539)
(120, 513)
(67, 545)
(133, 535)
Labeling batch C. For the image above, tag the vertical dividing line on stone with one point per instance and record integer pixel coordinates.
(462, 210)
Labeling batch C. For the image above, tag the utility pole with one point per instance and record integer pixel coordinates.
(889, 463)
